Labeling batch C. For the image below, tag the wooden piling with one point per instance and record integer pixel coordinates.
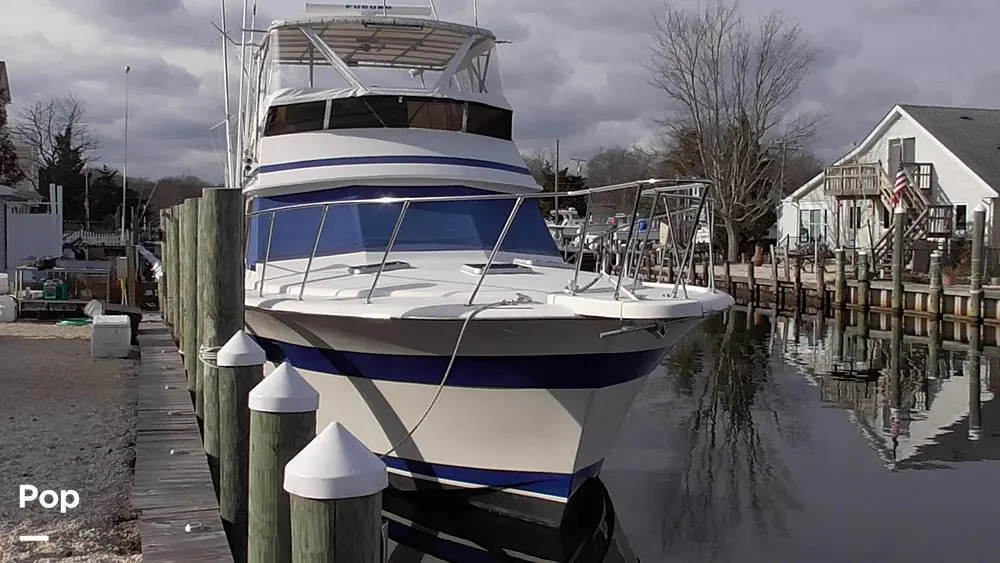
(240, 368)
(899, 225)
(727, 276)
(220, 301)
(797, 283)
(821, 284)
(976, 273)
(189, 266)
(936, 291)
(172, 263)
(336, 489)
(282, 421)
(864, 282)
(840, 281)
(161, 284)
(751, 284)
(705, 273)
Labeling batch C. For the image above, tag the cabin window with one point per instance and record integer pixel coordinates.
(392, 112)
(295, 118)
(443, 115)
(489, 121)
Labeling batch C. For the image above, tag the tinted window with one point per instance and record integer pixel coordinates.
(392, 112)
(489, 121)
(430, 113)
(295, 118)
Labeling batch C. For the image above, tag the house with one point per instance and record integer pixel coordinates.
(952, 158)
(28, 227)
(26, 157)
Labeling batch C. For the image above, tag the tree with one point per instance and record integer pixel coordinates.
(10, 170)
(617, 165)
(41, 125)
(731, 87)
(541, 169)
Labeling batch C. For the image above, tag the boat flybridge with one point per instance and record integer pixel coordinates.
(398, 258)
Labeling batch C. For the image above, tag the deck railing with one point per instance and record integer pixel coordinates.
(695, 193)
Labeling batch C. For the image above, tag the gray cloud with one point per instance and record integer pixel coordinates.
(574, 70)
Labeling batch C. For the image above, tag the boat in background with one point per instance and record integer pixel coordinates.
(397, 256)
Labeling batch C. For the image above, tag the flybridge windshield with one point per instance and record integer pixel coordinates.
(390, 112)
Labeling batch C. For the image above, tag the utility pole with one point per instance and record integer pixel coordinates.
(555, 185)
(125, 160)
(86, 198)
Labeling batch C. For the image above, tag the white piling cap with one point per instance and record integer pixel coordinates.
(240, 351)
(335, 465)
(284, 390)
(898, 209)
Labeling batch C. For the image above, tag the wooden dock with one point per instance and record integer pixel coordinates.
(173, 492)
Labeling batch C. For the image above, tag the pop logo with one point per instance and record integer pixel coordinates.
(48, 499)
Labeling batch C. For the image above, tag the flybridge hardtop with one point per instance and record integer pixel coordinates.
(350, 69)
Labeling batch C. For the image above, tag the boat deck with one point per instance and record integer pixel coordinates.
(440, 289)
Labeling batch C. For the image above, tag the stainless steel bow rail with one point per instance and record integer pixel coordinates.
(696, 194)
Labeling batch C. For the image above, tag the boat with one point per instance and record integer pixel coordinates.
(430, 527)
(397, 256)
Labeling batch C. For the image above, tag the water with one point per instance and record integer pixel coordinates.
(770, 439)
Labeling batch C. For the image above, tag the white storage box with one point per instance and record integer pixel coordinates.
(111, 336)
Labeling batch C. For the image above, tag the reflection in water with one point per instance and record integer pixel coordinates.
(426, 526)
(924, 402)
(771, 439)
(732, 474)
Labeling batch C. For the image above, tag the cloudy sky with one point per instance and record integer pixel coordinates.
(574, 70)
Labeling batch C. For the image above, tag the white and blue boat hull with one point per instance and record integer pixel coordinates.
(526, 423)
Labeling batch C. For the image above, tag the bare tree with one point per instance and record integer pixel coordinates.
(39, 125)
(616, 165)
(731, 85)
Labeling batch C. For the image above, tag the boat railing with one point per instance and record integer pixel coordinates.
(658, 189)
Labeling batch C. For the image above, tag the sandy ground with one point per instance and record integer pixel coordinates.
(67, 421)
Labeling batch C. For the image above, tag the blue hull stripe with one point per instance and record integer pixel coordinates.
(393, 159)
(553, 484)
(577, 371)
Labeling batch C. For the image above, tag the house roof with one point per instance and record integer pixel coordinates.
(4, 84)
(974, 141)
(972, 135)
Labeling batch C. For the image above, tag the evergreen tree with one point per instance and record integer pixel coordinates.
(66, 170)
(10, 171)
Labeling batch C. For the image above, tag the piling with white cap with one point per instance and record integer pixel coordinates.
(336, 487)
(240, 368)
(976, 271)
(282, 421)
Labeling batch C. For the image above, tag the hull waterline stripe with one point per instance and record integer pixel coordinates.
(388, 159)
(552, 485)
(568, 371)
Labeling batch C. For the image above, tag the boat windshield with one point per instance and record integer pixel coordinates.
(428, 226)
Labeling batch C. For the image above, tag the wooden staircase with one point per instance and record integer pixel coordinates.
(922, 219)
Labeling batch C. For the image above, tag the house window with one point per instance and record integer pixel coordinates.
(854, 217)
(960, 217)
(812, 225)
(904, 150)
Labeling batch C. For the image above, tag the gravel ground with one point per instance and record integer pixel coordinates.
(68, 422)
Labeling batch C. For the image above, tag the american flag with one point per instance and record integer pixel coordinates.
(902, 184)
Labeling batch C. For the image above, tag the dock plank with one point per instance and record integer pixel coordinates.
(173, 487)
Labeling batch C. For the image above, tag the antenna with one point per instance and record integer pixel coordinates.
(225, 87)
(475, 13)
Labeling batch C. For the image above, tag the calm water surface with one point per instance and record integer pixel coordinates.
(771, 440)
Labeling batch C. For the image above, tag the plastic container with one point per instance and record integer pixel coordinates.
(50, 290)
(8, 309)
(111, 336)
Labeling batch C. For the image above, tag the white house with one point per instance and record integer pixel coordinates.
(952, 159)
